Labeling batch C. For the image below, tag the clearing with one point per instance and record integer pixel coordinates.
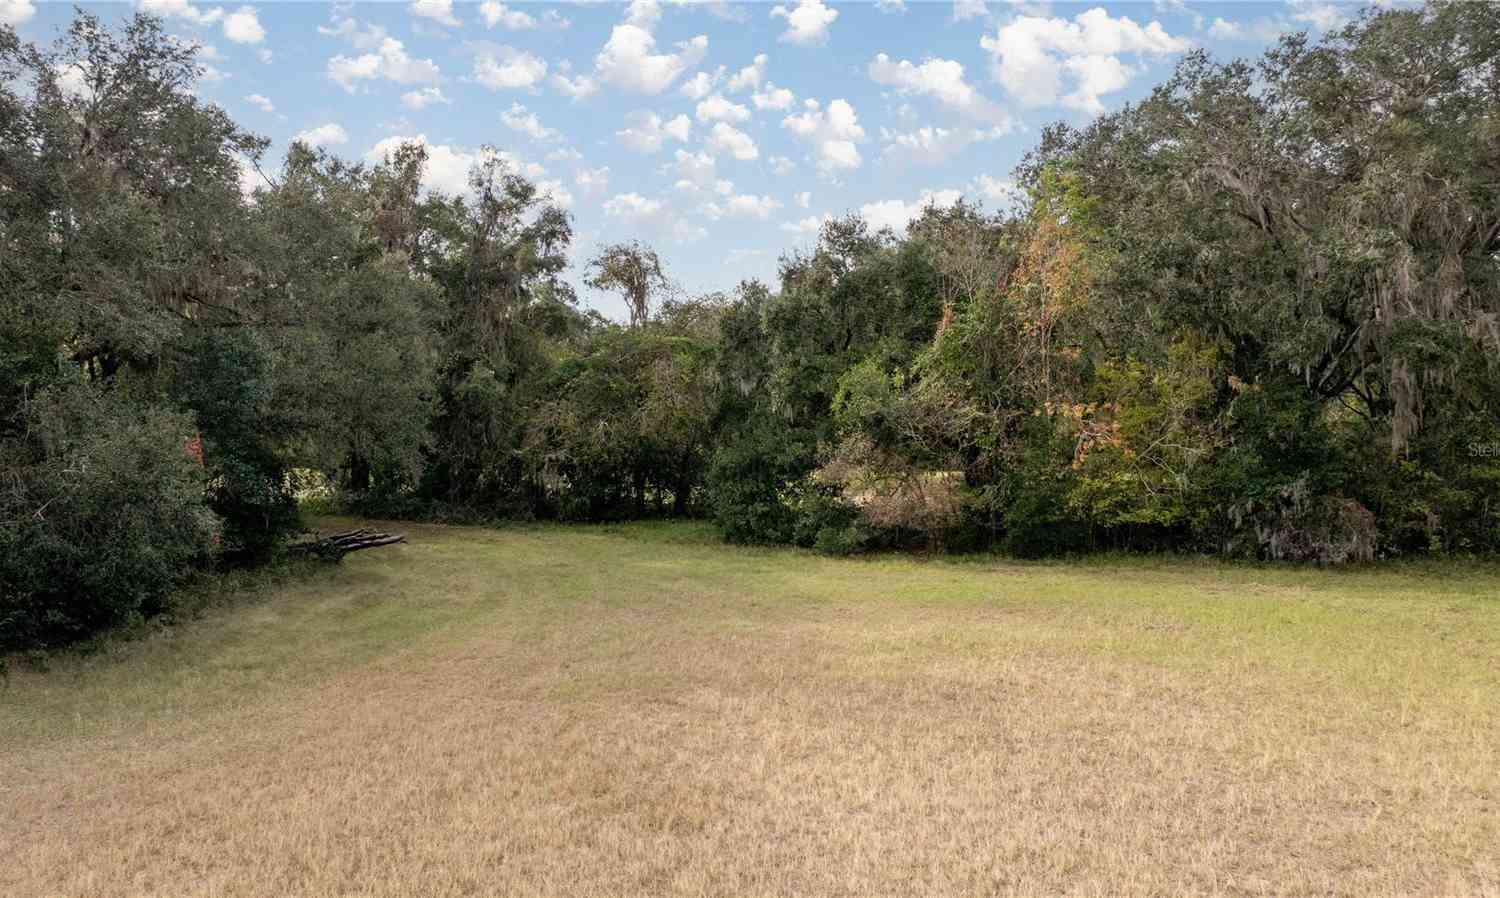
(640, 710)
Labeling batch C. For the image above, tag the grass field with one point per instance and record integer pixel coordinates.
(643, 711)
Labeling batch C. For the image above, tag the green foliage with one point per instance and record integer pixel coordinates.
(102, 512)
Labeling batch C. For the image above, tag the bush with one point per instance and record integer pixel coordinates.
(102, 513)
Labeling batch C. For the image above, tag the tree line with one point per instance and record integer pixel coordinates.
(1256, 314)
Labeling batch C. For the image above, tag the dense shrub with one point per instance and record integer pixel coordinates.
(101, 514)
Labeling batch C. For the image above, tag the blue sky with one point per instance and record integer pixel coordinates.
(720, 133)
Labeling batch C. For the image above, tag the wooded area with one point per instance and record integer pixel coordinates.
(1257, 314)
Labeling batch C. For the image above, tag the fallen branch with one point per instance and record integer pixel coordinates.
(335, 546)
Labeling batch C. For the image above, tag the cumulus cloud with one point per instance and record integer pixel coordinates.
(645, 132)
(578, 87)
(1031, 55)
(651, 215)
(773, 97)
(996, 190)
(942, 80)
(421, 99)
(726, 139)
(780, 165)
(506, 68)
(718, 109)
(1320, 15)
(517, 118)
(243, 26)
(701, 84)
(807, 23)
(632, 207)
(698, 172)
(390, 62)
(897, 214)
(167, 9)
(628, 59)
(14, 12)
(803, 199)
(969, 9)
(592, 181)
(931, 145)
(262, 103)
(439, 11)
(448, 166)
(750, 76)
(499, 14)
(553, 190)
(746, 205)
(328, 135)
(807, 227)
(833, 133)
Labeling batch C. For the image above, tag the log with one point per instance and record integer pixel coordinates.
(336, 545)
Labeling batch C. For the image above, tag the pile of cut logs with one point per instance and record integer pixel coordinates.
(336, 545)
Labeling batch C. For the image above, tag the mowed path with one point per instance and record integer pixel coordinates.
(640, 711)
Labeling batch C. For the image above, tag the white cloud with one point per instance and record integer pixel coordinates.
(328, 135)
(579, 87)
(1031, 54)
(780, 165)
(1225, 29)
(645, 132)
(773, 97)
(742, 206)
(751, 75)
(421, 99)
(701, 84)
(628, 63)
(931, 145)
(969, 9)
(803, 199)
(517, 118)
(448, 166)
(554, 190)
(808, 226)
(391, 62)
(209, 74)
(167, 9)
(506, 68)
(248, 176)
(643, 13)
(369, 38)
(265, 55)
(890, 6)
(1322, 16)
(592, 181)
(718, 109)
(1096, 76)
(439, 11)
(564, 154)
(897, 214)
(941, 79)
(719, 9)
(261, 103)
(808, 23)
(725, 138)
(833, 133)
(243, 26)
(632, 206)
(698, 172)
(651, 215)
(499, 14)
(995, 190)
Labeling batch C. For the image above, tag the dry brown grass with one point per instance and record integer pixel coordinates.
(579, 712)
